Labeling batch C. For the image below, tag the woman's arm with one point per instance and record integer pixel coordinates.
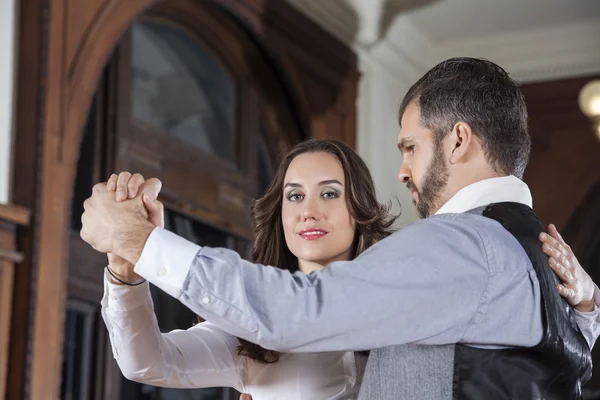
(201, 356)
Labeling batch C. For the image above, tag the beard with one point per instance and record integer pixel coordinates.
(435, 180)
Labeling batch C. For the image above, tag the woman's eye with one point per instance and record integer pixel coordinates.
(331, 195)
(294, 197)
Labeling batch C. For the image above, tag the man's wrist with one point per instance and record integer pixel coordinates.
(130, 245)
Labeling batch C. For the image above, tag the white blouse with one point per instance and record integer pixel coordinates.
(205, 356)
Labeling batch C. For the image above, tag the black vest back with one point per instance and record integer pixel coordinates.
(555, 368)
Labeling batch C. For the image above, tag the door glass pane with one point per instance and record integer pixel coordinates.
(77, 348)
(171, 314)
(179, 88)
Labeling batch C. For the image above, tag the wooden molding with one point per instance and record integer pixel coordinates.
(15, 214)
(10, 256)
(10, 217)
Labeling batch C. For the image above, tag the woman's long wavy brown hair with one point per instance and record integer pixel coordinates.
(373, 220)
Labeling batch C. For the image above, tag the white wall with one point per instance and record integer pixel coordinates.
(7, 60)
(380, 94)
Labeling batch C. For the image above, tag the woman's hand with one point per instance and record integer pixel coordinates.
(127, 186)
(576, 285)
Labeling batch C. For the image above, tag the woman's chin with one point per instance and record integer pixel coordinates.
(320, 256)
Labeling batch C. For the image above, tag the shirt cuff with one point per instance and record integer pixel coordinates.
(123, 297)
(593, 315)
(166, 260)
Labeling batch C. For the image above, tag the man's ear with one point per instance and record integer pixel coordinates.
(460, 141)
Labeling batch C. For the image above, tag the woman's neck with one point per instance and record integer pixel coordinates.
(311, 266)
(307, 267)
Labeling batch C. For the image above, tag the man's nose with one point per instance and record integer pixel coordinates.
(404, 174)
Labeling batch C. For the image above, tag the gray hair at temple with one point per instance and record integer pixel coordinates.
(480, 93)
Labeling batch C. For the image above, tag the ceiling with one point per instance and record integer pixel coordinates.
(535, 40)
(450, 20)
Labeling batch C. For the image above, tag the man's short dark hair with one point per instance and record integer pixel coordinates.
(480, 93)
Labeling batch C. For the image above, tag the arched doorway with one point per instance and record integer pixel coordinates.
(185, 98)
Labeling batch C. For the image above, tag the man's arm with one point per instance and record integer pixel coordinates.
(423, 284)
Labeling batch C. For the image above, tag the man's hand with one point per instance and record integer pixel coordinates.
(245, 396)
(577, 287)
(116, 227)
(130, 185)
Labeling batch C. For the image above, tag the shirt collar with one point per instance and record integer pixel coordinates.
(488, 191)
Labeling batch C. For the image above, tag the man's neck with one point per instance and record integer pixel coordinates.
(460, 180)
(492, 190)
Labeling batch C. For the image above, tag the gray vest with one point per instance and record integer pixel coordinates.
(409, 372)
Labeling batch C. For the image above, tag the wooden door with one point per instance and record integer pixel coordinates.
(172, 104)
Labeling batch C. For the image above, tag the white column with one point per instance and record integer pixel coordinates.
(7, 61)
(379, 95)
(388, 70)
(369, 20)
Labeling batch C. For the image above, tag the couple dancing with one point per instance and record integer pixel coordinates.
(463, 304)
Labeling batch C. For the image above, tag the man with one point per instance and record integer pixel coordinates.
(457, 305)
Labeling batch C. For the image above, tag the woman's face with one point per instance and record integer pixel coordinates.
(316, 221)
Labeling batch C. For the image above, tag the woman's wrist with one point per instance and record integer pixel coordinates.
(122, 271)
(115, 279)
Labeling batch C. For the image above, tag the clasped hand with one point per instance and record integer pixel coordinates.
(120, 215)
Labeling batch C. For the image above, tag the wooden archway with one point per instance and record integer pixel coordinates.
(76, 41)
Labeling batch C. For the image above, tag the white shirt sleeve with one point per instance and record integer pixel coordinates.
(166, 270)
(588, 321)
(201, 356)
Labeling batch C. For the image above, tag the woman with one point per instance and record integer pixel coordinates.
(321, 207)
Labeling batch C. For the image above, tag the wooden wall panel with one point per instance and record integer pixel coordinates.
(26, 151)
(70, 42)
(10, 258)
(6, 285)
(564, 163)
